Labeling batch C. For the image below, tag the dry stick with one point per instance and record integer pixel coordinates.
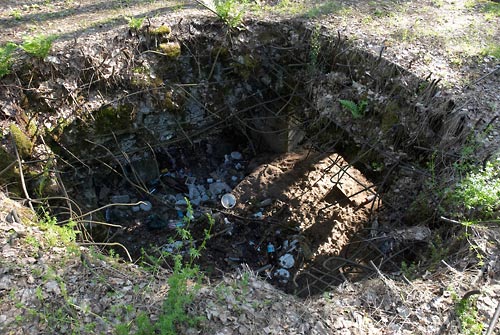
(21, 174)
(494, 320)
(108, 244)
(483, 77)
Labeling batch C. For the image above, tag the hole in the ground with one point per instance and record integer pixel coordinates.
(322, 188)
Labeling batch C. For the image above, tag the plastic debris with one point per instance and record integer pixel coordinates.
(236, 155)
(228, 200)
(210, 180)
(145, 206)
(234, 178)
(286, 261)
(282, 275)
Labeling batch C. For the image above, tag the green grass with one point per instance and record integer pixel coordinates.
(492, 50)
(38, 46)
(491, 8)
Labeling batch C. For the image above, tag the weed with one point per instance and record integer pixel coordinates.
(135, 23)
(409, 270)
(57, 235)
(230, 12)
(183, 284)
(479, 192)
(6, 53)
(16, 14)
(357, 110)
(467, 314)
(38, 46)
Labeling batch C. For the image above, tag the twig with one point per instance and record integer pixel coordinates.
(449, 220)
(483, 77)
(494, 320)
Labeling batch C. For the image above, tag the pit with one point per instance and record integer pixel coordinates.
(317, 147)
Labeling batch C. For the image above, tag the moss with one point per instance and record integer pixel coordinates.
(109, 119)
(23, 143)
(170, 49)
(161, 30)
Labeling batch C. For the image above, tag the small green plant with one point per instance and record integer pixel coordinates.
(6, 53)
(135, 23)
(16, 14)
(229, 11)
(38, 46)
(491, 50)
(183, 283)
(59, 235)
(357, 110)
(466, 311)
(479, 192)
(410, 271)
